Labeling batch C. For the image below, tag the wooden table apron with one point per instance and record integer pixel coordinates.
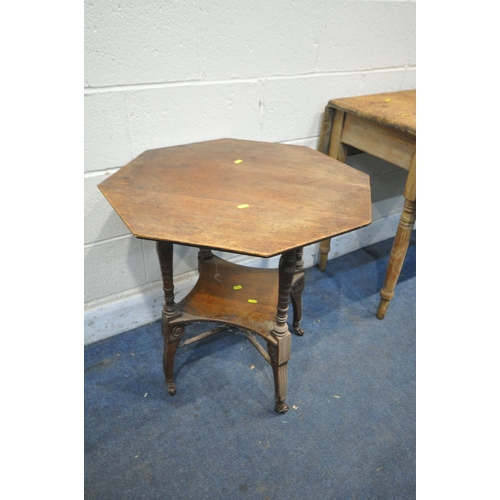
(383, 125)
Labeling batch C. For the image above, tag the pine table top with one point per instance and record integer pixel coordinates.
(394, 109)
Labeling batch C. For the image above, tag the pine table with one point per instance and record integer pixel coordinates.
(383, 125)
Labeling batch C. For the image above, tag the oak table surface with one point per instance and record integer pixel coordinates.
(383, 125)
(248, 197)
(190, 195)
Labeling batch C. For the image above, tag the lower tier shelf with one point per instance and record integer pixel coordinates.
(232, 294)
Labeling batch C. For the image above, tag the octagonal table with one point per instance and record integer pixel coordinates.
(245, 197)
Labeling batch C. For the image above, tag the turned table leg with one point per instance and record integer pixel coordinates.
(401, 242)
(280, 353)
(204, 255)
(338, 150)
(324, 250)
(171, 334)
(296, 293)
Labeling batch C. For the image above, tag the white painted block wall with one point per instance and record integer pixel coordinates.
(163, 73)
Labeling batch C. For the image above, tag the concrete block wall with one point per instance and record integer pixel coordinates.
(162, 73)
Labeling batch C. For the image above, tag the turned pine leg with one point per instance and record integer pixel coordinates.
(296, 293)
(401, 242)
(338, 150)
(171, 334)
(280, 353)
(324, 249)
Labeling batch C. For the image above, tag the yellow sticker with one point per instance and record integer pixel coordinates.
(387, 100)
(237, 161)
(243, 205)
(237, 287)
(252, 301)
(405, 114)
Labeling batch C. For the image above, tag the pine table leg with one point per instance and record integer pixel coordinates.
(337, 150)
(401, 242)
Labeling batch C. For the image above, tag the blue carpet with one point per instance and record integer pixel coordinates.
(350, 430)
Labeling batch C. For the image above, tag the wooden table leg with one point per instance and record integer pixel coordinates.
(172, 335)
(324, 250)
(401, 242)
(337, 150)
(204, 255)
(296, 293)
(280, 353)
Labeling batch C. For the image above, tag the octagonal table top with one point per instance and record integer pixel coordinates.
(239, 196)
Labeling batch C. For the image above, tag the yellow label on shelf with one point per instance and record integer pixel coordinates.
(252, 301)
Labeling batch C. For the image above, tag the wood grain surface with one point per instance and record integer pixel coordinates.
(394, 109)
(278, 197)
